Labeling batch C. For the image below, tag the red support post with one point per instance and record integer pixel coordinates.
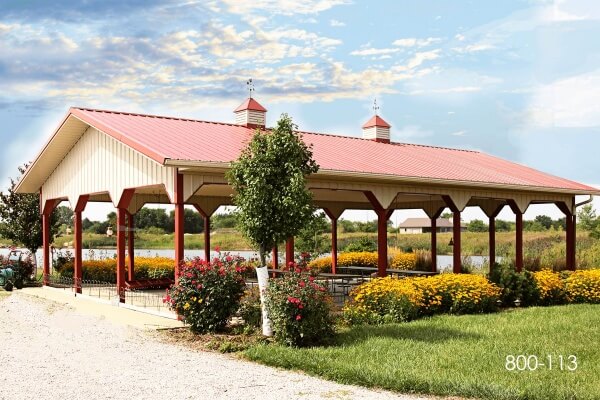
(289, 251)
(275, 257)
(570, 233)
(334, 252)
(434, 218)
(130, 247)
(383, 215)
(46, 211)
(121, 228)
(456, 251)
(492, 236)
(78, 257)
(456, 235)
(519, 241)
(206, 237)
(574, 244)
(179, 227)
(492, 240)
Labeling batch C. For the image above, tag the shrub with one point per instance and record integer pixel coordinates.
(208, 293)
(551, 288)
(400, 299)
(363, 244)
(515, 285)
(250, 310)
(383, 300)
(583, 286)
(300, 309)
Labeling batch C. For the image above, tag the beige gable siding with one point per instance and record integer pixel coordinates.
(99, 163)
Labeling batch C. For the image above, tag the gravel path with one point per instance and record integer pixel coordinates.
(50, 351)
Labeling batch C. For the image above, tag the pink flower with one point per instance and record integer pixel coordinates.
(228, 258)
(298, 317)
(302, 284)
(218, 249)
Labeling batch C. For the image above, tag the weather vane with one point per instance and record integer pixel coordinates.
(375, 106)
(250, 86)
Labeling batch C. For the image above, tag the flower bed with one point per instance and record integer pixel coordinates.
(583, 286)
(106, 270)
(399, 299)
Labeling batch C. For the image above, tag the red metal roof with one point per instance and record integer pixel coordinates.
(250, 104)
(376, 120)
(164, 138)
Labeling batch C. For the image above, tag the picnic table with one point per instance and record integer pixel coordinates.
(398, 272)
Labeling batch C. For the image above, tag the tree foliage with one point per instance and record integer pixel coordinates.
(269, 179)
(477, 225)
(587, 218)
(20, 218)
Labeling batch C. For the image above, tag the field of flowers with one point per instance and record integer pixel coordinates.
(397, 260)
(106, 270)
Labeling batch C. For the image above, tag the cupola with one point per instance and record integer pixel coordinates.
(376, 129)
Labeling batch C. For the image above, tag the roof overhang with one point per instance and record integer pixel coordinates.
(202, 166)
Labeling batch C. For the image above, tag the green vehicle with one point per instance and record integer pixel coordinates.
(12, 274)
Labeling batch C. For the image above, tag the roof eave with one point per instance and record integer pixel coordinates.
(388, 178)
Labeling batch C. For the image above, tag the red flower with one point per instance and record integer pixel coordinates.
(228, 258)
(298, 317)
(302, 284)
(218, 249)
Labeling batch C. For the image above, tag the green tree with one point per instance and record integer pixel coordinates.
(477, 225)
(311, 239)
(586, 218)
(20, 218)
(269, 179)
(446, 215)
(64, 216)
(544, 220)
(192, 221)
(503, 226)
(226, 220)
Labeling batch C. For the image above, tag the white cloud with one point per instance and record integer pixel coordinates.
(283, 7)
(474, 48)
(336, 24)
(569, 102)
(455, 89)
(459, 37)
(372, 52)
(412, 42)
(459, 133)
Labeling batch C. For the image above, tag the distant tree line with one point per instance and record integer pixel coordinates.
(539, 224)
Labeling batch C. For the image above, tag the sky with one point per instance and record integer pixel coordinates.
(516, 79)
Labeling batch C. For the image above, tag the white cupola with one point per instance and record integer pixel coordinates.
(376, 129)
(250, 114)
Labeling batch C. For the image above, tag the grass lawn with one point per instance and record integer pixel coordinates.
(461, 355)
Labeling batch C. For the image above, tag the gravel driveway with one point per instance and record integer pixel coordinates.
(51, 351)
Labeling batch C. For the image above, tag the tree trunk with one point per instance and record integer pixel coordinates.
(262, 276)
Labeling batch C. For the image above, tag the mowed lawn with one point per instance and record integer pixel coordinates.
(461, 355)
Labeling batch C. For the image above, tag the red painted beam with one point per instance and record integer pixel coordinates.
(275, 257)
(574, 244)
(456, 235)
(130, 247)
(289, 251)
(492, 236)
(77, 245)
(179, 227)
(207, 238)
(46, 210)
(382, 217)
(570, 234)
(121, 227)
(434, 239)
(334, 251)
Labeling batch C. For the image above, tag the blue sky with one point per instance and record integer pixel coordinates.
(517, 79)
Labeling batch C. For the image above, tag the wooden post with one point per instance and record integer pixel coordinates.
(492, 235)
(519, 241)
(334, 252)
(77, 245)
(289, 251)
(574, 244)
(434, 219)
(275, 257)
(456, 235)
(206, 237)
(130, 246)
(121, 227)
(46, 211)
(383, 215)
(570, 220)
(126, 197)
(179, 227)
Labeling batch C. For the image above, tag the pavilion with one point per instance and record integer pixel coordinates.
(134, 159)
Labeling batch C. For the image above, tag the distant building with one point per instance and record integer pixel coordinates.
(423, 225)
